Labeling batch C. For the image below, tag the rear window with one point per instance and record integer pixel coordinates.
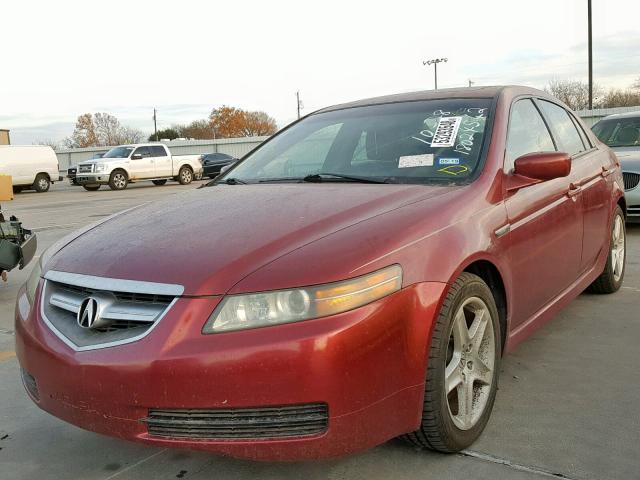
(408, 142)
(158, 151)
(623, 132)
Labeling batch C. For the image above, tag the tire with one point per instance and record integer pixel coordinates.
(118, 180)
(610, 280)
(185, 176)
(159, 182)
(41, 183)
(17, 189)
(91, 188)
(444, 426)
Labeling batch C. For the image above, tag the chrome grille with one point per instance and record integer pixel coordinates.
(239, 423)
(85, 168)
(124, 316)
(631, 180)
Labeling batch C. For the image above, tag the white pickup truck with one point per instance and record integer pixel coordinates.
(133, 163)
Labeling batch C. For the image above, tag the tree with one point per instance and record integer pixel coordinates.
(572, 92)
(48, 142)
(167, 133)
(99, 130)
(620, 98)
(198, 130)
(229, 122)
(636, 84)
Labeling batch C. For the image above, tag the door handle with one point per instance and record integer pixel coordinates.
(607, 171)
(573, 190)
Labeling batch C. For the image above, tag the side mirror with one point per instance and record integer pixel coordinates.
(538, 167)
(136, 156)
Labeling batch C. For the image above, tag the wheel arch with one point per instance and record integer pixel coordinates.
(490, 273)
(622, 202)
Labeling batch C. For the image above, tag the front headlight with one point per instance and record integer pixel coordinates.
(100, 167)
(239, 312)
(33, 280)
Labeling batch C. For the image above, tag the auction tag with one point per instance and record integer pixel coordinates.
(409, 161)
(446, 132)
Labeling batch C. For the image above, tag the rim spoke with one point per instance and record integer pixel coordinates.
(482, 372)
(478, 327)
(460, 331)
(465, 402)
(453, 377)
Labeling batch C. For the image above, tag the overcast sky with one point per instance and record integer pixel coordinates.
(61, 58)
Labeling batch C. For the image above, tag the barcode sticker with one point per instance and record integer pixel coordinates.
(446, 132)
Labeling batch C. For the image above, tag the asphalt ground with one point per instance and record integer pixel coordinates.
(568, 404)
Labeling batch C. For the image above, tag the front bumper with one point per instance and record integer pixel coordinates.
(91, 179)
(632, 197)
(368, 366)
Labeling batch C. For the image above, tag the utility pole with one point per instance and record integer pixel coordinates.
(299, 103)
(155, 125)
(471, 83)
(590, 57)
(435, 63)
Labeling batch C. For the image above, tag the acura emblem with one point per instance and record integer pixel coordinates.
(88, 314)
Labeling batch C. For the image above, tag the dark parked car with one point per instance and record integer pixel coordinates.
(73, 171)
(365, 271)
(213, 162)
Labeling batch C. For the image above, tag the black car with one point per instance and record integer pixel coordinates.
(213, 162)
(72, 171)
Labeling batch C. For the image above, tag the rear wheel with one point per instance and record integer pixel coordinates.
(159, 182)
(41, 183)
(91, 188)
(462, 373)
(185, 176)
(118, 180)
(611, 277)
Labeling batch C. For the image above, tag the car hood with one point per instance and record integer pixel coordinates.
(629, 158)
(209, 239)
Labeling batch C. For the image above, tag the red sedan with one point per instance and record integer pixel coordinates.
(356, 278)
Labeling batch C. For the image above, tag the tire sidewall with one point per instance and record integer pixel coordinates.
(112, 183)
(458, 439)
(609, 268)
(180, 178)
(36, 183)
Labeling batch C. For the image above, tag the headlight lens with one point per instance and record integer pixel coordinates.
(33, 280)
(100, 167)
(239, 312)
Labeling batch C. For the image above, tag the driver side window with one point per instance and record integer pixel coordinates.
(144, 151)
(527, 133)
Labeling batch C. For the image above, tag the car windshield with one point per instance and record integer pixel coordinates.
(619, 132)
(118, 152)
(410, 142)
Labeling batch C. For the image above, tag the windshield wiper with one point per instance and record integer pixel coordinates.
(321, 177)
(233, 181)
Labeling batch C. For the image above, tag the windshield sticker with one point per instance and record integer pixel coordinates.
(454, 170)
(446, 132)
(448, 161)
(410, 161)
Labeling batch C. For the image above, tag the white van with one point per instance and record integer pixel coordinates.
(30, 166)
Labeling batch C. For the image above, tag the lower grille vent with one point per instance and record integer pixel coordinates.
(239, 423)
(631, 180)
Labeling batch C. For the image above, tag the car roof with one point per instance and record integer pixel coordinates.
(465, 92)
(622, 115)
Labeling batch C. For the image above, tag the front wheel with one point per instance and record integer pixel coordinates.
(159, 182)
(41, 183)
(462, 373)
(610, 280)
(91, 188)
(185, 176)
(118, 180)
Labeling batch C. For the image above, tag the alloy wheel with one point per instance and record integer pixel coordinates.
(470, 363)
(186, 175)
(119, 180)
(43, 183)
(618, 248)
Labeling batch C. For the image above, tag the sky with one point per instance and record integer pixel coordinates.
(59, 59)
